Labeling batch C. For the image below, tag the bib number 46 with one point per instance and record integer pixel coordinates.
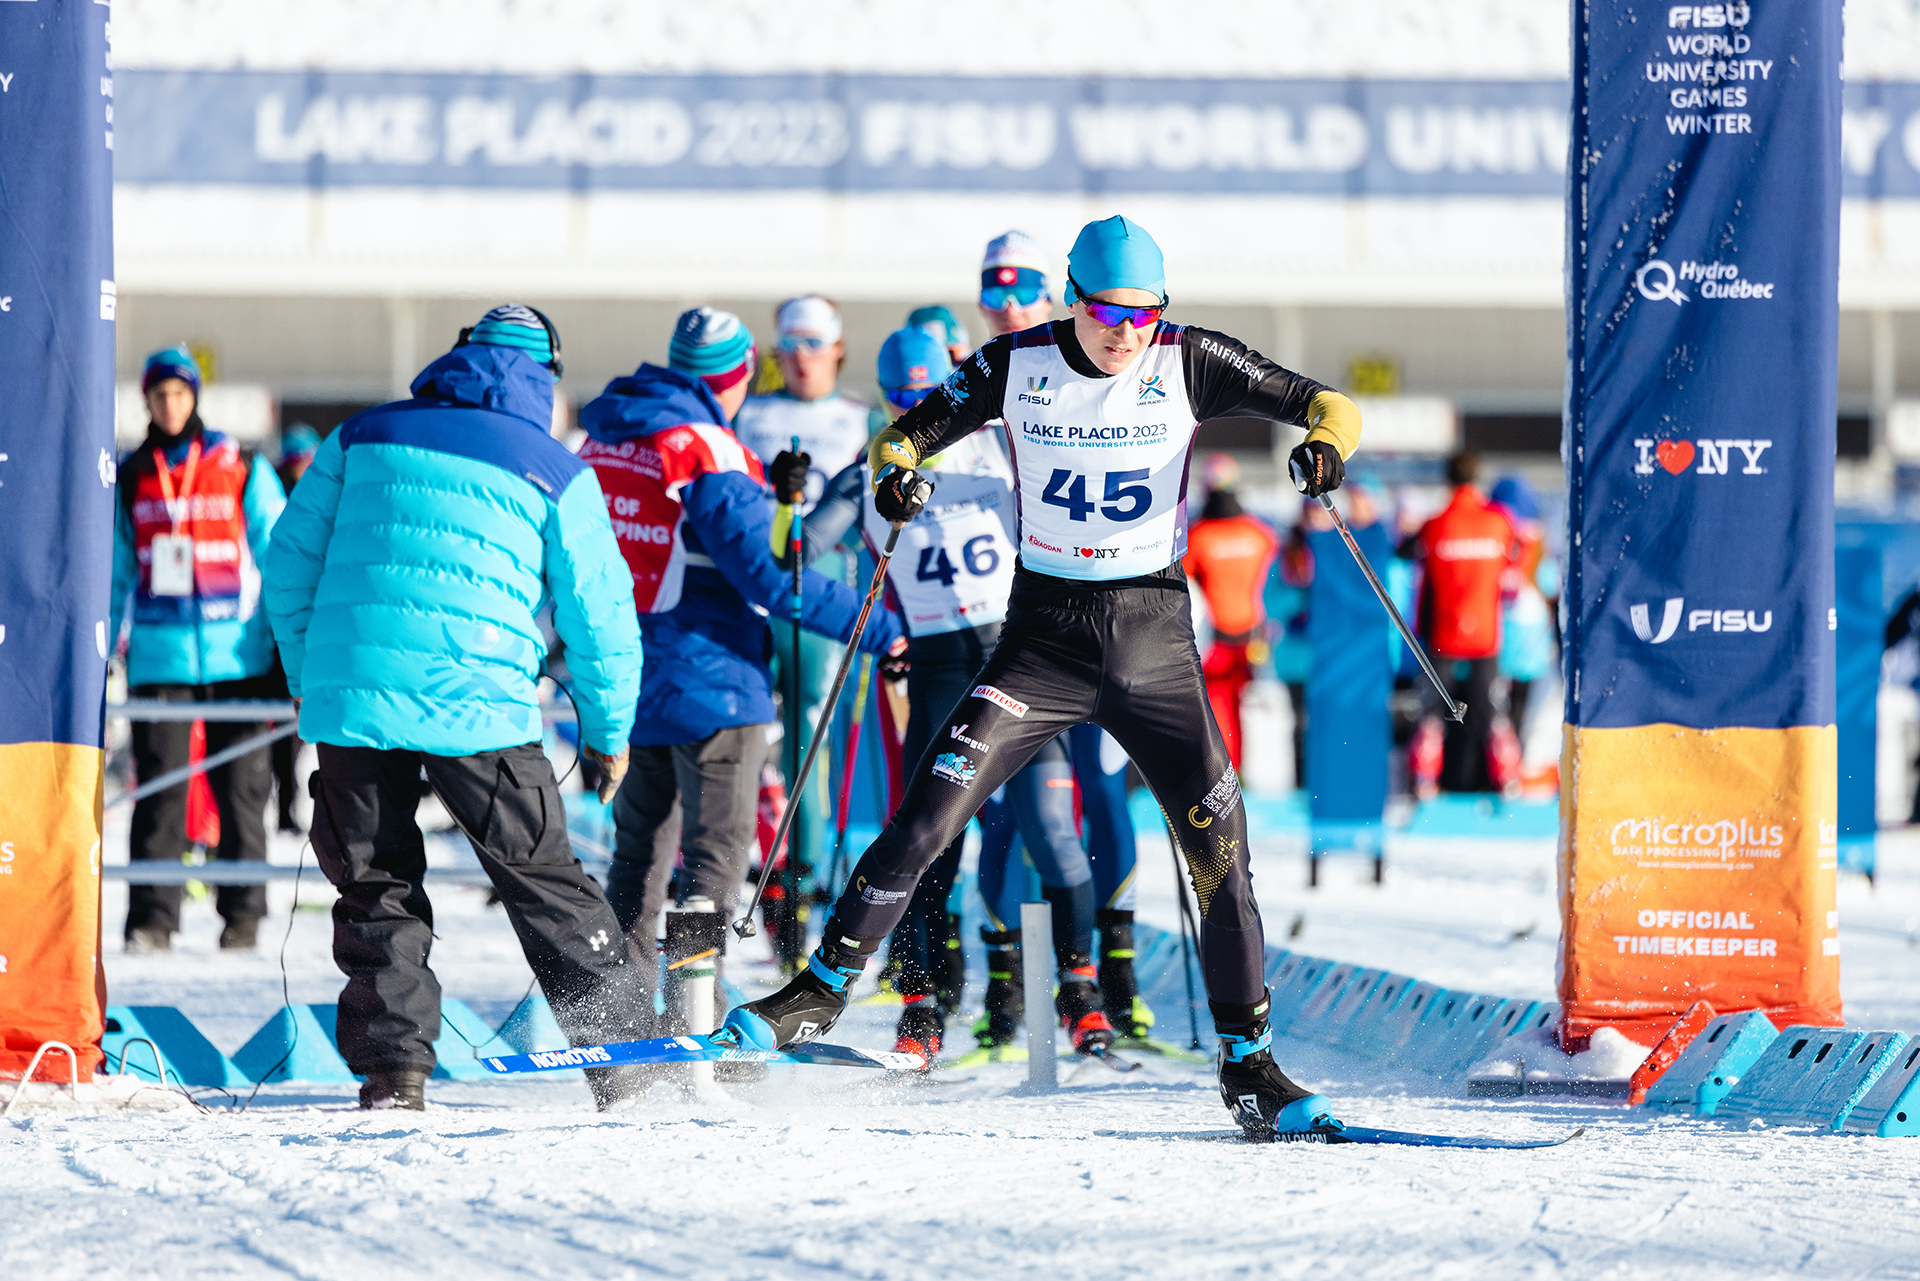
(1121, 499)
(978, 555)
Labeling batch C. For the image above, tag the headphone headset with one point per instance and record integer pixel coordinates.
(553, 340)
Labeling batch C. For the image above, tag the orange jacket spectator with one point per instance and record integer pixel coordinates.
(1464, 550)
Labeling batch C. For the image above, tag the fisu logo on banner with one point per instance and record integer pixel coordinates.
(1716, 620)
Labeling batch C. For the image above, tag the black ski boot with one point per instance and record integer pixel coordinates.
(1119, 989)
(1005, 996)
(404, 1088)
(1079, 1007)
(921, 1030)
(1262, 1099)
(811, 1002)
(949, 969)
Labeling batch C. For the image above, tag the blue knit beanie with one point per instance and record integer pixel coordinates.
(939, 322)
(912, 357)
(711, 345)
(171, 362)
(1115, 253)
(517, 327)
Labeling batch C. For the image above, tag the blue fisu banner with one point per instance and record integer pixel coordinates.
(854, 133)
(56, 344)
(866, 133)
(1703, 340)
(56, 519)
(1699, 833)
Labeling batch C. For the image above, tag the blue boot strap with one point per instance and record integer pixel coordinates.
(1240, 1047)
(835, 979)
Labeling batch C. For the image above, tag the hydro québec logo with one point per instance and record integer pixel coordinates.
(1718, 620)
(1658, 281)
(1715, 457)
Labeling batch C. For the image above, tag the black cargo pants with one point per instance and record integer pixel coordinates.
(1121, 655)
(508, 804)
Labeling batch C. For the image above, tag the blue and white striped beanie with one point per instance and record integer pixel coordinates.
(516, 326)
(713, 346)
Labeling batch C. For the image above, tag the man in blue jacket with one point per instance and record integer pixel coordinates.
(692, 515)
(403, 584)
(190, 531)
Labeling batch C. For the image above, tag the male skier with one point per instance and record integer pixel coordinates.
(1100, 412)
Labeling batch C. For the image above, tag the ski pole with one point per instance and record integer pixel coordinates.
(1186, 957)
(790, 873)
(744, 927)
(846, 772)
(1457, 710)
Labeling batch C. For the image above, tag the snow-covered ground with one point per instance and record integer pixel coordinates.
(816, 1173)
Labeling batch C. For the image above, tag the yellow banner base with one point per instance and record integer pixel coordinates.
(1697, 865)
(51, 985)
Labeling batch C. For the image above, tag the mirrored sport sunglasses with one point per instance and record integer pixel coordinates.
(1113, 316)
(906, 398)
(998, 297)
(802, 342)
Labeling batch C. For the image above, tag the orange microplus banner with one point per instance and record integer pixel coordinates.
(1697, 864)
(51, 984)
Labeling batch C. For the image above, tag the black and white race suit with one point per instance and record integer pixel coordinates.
(1098, 626)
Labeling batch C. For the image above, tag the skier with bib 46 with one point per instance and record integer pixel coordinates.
(1100, 412)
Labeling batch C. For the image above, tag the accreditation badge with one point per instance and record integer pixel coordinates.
(172, 565)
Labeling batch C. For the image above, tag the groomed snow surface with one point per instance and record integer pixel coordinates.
(828, 1173)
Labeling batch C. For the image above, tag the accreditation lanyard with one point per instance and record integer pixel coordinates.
(172, 553)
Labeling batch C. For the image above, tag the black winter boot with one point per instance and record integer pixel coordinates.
(615, 1086)
(402, 1088)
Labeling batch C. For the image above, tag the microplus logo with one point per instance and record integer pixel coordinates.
(1719, 620)
(1715, 456)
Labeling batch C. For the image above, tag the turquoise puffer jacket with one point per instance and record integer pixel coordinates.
(407, 569)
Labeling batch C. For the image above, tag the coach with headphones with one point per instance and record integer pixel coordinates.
(402, 583)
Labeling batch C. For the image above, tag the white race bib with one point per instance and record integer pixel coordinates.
(832, 430)
(1102, 461)
(172, 565)
(953, 566)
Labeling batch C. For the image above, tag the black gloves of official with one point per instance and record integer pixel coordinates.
(788, 476)
(1316, 468)
(900, 494)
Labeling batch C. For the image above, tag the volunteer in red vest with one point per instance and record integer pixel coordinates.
(1463, 553)
(691, 513)
(190, 530)
(1229, 554)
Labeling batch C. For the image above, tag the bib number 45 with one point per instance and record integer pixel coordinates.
(1121, 499)
(978, 555)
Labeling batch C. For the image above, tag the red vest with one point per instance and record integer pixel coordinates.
(211, 509)
(1465, 549)
(642, 481)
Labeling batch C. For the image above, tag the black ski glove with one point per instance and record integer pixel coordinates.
(894, 665)
(788, 476)
(1316, 468)
(900, 494)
